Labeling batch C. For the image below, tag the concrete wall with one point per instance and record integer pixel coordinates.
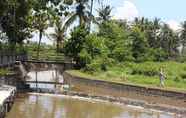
(40, 66)
(117, 89)
(10, 59)
(7, 96)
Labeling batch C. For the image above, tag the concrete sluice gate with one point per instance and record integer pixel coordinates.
(7, 96)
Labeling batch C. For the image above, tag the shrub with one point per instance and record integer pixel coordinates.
(183, 75)
(85, 57)
(99, 64)
(177, 79)
(74, 45)
(147, 69)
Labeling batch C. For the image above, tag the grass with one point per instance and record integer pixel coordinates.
(49, 56)
(46, 54)
(143, 74)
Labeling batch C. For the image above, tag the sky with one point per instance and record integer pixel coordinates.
(172, 12)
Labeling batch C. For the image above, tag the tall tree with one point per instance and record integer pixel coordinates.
(14, 21)
(151, 28)
(139, 44)
(91, 10)
(117, 41)
(40, 18)
(81, 13)
(183, 36)
(60, 22)
(104, 13)
(152, 32)
(169, 40)
(59, 34)
(74, 45)
(44, 14)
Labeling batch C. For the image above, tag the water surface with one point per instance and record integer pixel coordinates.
(51, 106)
(57, 106)
(45, 76)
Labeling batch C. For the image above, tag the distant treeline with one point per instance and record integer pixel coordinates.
(119, 41)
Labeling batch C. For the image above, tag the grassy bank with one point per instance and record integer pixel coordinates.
(144, 74)
(47, 52)
(48, 55)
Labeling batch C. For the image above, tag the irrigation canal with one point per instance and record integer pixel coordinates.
(38, 105)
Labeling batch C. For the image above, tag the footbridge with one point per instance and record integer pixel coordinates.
(26, 65)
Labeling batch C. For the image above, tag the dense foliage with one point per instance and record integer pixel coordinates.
(114, 46)
(117, 41)
(114, 41)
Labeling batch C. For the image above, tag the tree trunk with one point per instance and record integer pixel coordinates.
(81, 22)
(57, 46)
(38, 49)
(183, 49)
(91, 7)
(36, 75)
(91, 10)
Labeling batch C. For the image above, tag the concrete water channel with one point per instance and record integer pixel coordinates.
(43, 105)
(48, 98)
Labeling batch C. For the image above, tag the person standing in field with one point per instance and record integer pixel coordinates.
(162, 78)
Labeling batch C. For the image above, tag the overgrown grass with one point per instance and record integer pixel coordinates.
(144, 74)
(47, 53)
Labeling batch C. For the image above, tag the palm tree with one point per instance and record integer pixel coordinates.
(183, 36)
(84, 15)
(80, 13)
(58, 36)
(142, 23)
(92, 5)
(151, 30)
(153, 33)
(169, 40)
(91, 9)
(40, 23)
(104, 13)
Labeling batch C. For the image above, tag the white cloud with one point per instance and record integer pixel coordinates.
(127, 10)
(174, 25)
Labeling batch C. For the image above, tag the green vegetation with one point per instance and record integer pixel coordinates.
(142, 74)
(118, 50)
(4, 72)
(47, 52)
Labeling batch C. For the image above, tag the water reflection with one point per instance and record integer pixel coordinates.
(38, 106)
(45, 76)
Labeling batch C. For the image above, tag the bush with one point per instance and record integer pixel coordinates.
(74, 45)
(177, 79)
(99, 64)
(85, 57)
(147, 69)
(183, 75)
(159, 55)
